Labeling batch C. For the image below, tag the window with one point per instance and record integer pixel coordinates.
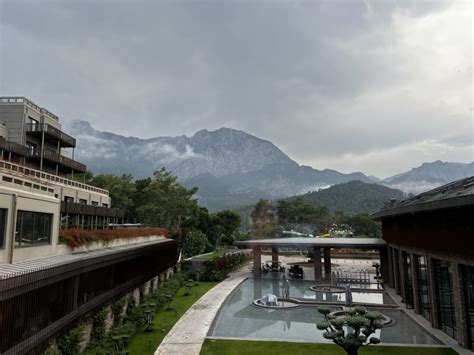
(33, 123)
(33, 228)
(3, 219)
(95, 203)
(105, 205)
(68, 199)
(444, 293)
(82, 201)
(408, 285)
(423, 287)
(31, 147)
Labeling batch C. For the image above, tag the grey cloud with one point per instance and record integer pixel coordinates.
(319, 79)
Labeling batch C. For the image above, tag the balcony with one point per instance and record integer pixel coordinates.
(51, 133)
(65, 164)
(13, 147)
(91, 210)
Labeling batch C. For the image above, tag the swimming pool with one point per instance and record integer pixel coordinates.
(238, 318)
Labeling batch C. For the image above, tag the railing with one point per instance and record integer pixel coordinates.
(51, 131)
(362, 278)
(91, 210)
(13, 147)
(41, 175)
(51, 155)
(24, 100)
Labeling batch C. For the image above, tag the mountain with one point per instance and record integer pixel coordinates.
(429, 176)
(231, 168)
(353, 197)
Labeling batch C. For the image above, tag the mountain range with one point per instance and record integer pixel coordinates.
(231, 168)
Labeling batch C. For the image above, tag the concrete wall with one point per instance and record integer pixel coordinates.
(27, 201)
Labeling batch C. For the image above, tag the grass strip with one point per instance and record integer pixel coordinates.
(146, 342)
(250, 347)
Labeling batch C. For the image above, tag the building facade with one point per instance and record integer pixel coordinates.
(35, 155)
(45, 287)
(430, 240)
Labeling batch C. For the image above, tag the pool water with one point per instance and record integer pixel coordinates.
(240, 319)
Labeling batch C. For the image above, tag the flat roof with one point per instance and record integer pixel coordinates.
(47, 262)
(300, 242)
(455, 194)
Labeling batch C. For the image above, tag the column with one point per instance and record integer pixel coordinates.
(274, 255)
(384, 264)
(390, 281)
(433, 294)
(416, 286)
(257, 262)
(396, 269)
(327, 263)
(318, 274)
(462, 335)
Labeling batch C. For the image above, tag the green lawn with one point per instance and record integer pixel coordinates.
(238, 347)
(147, 342)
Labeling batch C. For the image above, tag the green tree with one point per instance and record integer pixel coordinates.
(263, 220)
(226, 223)
(194, 243)
(164, 202)
(364, 226)
(121, 189)
(352, 330)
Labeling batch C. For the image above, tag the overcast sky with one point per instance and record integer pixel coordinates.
(373, 86)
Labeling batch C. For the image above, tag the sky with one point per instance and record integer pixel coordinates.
(378, 86)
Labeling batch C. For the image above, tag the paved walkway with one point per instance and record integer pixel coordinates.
(187, 335)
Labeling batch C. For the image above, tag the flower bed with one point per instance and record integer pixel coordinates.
(75, 238)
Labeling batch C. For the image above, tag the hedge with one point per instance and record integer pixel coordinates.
(78, 237)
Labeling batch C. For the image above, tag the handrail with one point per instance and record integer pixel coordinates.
(41, 175)
(55, 132)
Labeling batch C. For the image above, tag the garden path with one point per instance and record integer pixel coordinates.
(189, 332)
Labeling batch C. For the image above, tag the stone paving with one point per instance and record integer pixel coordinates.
(188, 334)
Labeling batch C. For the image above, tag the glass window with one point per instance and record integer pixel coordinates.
(444, 293)
(408, 285)
(33, 228)
(3, 219)
(423, 287)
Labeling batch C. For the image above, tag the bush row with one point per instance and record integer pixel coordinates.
(125, 324)
(78, 237)
(219, 267)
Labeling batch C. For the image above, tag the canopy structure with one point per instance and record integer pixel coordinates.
(315, 244)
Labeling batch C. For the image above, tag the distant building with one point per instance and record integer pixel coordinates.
(430, 241)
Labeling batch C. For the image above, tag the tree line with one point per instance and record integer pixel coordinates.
(161, 201)
(268, 216)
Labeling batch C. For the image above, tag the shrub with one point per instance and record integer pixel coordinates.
(218, 267)
(195, 243)
(70, 343)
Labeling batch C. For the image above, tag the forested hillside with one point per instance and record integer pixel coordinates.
(353, 197)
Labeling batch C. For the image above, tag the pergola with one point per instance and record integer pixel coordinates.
(317, 245)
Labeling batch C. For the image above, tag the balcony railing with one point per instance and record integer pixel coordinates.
(30, 172)
(66, 139)
(91, 210)
(13, 147)
(54, 157)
